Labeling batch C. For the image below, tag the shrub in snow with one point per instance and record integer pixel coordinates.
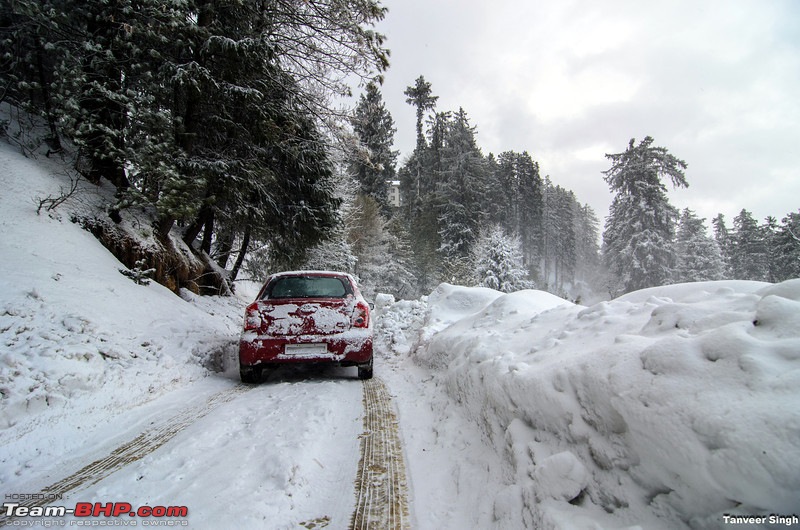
(139, 273)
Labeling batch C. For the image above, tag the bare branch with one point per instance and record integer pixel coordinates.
(50, 202)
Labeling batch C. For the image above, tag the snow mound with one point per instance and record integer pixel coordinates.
(449, 303)
(397, 324)
(665, 408)
(459, 321)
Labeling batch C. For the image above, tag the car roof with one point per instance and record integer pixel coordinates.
(334, 274)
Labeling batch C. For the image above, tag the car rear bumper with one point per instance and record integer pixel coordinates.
(345, 349)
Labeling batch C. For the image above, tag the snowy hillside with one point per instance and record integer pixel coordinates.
(666, 408)
(76, 336)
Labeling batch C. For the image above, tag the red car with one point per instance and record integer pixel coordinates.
(306, 317)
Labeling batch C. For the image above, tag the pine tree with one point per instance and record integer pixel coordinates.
(723, 238)
(380, 263)
(530, 212)
(374, 168)
(419, 212)
(417, 190)
(502, 191)
(335, 252)
(420, 97)
(92, 60)
(698, 255)
(787, 248)
(559, 250)
(588, 267)
(497, 262)
(397, 271)
(514, 199)
(27, 69)
(770, 231)
(750, 254)
(637, 241)
(461, 189)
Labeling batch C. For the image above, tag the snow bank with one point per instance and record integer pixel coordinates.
(665, 408)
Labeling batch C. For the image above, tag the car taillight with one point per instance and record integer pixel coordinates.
(252, 317)
(361, 315)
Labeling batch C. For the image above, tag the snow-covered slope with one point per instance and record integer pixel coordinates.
(79, 342)
(665, 408)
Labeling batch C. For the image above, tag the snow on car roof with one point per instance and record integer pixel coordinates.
(313, 273)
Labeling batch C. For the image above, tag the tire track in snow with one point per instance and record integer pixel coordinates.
(129, 452)
(381, 485)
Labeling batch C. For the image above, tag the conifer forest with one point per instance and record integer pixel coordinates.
(220, 127)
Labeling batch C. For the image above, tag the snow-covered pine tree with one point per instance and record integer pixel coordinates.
(559, 228)
(87, 66)
(749, 250)
(530, 212)
(723, 238)
(253, 102)
(589, 271)
(514, 199)
(787, 247)
(640, 228)
(365, 244)
(381, 265)
(420, 96)
(497, 261)
(214, 115)
(699, 257)
(335, 252)
(501, 200)
(397, 271)
(27, 69)
(374, 166)
(418, 216)
(417, 187)
(770, 231)
(462, 178)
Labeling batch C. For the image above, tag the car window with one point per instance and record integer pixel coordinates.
(306, 287)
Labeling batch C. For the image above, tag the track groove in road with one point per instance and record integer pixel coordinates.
(381, 485)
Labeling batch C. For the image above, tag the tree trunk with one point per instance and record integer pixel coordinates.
(164, 225)
(194, 229)
(225, 245)
(53, 141)
(242, 253)
(205, 246)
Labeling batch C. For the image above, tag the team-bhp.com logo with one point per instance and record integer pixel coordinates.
(86, 514)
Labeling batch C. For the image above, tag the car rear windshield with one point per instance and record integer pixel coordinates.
(307, 287)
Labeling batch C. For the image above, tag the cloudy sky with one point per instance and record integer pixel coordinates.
(716, 82)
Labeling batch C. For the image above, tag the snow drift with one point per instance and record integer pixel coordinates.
(664, 408)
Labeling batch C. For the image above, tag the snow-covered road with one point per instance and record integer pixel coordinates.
(270, 456)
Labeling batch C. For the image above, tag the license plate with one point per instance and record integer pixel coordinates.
(306, 350)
